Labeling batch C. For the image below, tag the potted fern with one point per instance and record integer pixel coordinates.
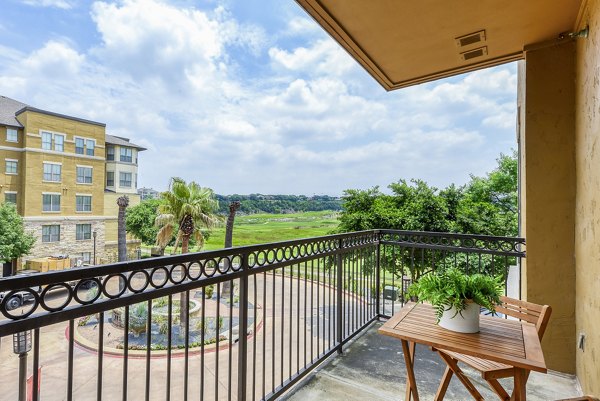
(457, 297)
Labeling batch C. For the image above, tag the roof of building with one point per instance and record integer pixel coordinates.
(120, 141)
(8, 111)
(51, 113)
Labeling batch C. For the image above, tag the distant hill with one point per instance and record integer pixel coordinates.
(258, 203)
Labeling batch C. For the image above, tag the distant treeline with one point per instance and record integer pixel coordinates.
(258, 203)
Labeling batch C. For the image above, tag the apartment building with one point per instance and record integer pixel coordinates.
(120, 179)
(55, 171)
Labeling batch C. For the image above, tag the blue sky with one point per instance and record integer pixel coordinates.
(248, 96)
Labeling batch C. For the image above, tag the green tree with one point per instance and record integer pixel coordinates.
(411, 206)
(489, 204)
(14, 241)
(184, 209)
(140, 220)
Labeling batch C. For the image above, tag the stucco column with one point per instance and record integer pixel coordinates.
(546, 101)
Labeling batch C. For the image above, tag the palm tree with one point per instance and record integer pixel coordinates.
(122, 202)
(185, 208)
(233, 207)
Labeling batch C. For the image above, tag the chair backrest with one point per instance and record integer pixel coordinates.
(527, 311)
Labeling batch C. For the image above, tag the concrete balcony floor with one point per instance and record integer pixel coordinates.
(372, 368)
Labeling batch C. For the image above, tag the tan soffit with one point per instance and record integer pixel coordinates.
(406, 42)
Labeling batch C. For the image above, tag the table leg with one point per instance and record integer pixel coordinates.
(520, 393)
(409, 358)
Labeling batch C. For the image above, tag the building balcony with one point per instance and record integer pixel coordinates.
(119, 331)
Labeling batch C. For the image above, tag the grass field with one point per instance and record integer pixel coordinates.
(263, 228)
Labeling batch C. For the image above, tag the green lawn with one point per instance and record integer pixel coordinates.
(263, 228)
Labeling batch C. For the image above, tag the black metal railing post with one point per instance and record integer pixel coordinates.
(339, 288)
(243, 331)
(378, 274)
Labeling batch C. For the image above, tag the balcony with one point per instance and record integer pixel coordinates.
(300, 304)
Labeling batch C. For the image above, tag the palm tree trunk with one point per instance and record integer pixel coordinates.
(233, 207)
(122, 202)
(183, 299)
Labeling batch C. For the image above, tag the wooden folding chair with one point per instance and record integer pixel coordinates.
(492, 371)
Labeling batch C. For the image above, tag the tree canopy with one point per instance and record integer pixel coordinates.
(486, 205)
(140, 220)
(14, 241)
(183, 210)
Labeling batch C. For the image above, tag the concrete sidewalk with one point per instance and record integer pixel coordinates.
(372, 368)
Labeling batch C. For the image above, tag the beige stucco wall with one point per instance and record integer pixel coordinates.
(587, 232)
(547, 140)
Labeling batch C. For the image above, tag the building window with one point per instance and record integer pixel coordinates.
(86, 257)
(89, 145)
(83, 232)
(11, 166)
(79, 146)
(51, 233)
(126, 155)
(11, 135)
(110, 178)
(125, 180)
(52, 172)
(110, 153)
(10, 197)
(84, 175)
(50, 202)
(59, 143)
(83, 203)
(47, 140)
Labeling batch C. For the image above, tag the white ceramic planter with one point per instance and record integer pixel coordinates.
(465, 322)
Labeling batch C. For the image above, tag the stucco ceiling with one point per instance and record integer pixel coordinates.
(402, 43)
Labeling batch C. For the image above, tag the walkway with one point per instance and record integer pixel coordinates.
(372, 368)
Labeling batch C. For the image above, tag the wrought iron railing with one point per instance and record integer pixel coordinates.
(242, 323)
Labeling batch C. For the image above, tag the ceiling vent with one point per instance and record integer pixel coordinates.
(470, 39)
(471, 54)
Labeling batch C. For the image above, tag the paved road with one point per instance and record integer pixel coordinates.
(298, 322)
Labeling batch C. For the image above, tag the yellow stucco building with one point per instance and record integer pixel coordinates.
(55, 169)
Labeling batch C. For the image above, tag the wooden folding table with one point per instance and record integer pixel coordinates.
(506, 341)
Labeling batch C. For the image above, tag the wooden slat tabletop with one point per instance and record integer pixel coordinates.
(506, 341)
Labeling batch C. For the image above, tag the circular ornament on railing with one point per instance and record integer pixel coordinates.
(295, 251)
(210, 267)
(303, 250)
(251, 260)
(507, 246)
(224, 265)
(194, 271)
(87, 291)
(280, 255)
(58, 302)
(261, 258)
(178, 273)
(271, 255)
(112, 282)
(138, 281)
(468, 243)
(14, 301)
(159, 276)
(236, 263)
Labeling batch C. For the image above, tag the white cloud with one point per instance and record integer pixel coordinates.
(324, 57)
(300, 119)
(64, 4)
